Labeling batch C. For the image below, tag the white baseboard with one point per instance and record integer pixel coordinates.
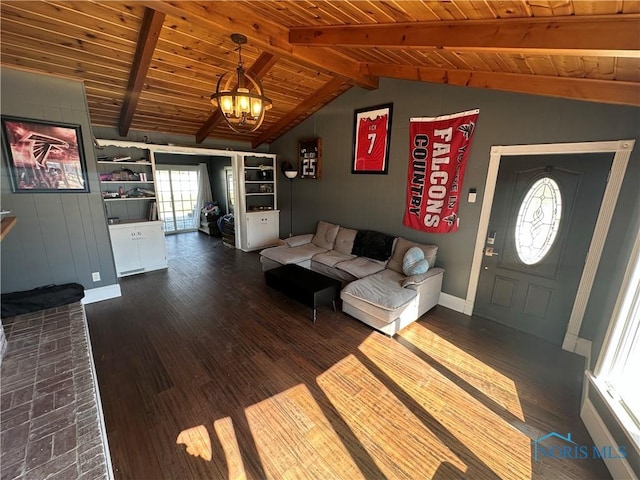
(618, 467)
(449, 301)
(583, 348)
(101, 293)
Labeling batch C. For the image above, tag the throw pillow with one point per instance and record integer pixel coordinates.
(414, 262)
(325, 236)
(371, 244)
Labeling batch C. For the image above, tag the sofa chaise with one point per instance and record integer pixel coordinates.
(373, 269)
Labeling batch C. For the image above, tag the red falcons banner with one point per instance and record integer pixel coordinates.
(439, 147)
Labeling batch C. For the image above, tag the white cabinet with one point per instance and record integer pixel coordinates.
(262, 229)
(258, 201)
(138, 247)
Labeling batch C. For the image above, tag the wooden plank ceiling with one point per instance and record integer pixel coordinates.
(153, 65)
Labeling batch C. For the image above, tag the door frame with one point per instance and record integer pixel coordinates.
(622, 151)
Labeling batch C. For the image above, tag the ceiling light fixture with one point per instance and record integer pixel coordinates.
(241, 100)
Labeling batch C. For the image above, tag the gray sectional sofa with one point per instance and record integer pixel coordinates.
(370, 265)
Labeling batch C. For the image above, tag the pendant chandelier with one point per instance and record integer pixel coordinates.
(241, 97)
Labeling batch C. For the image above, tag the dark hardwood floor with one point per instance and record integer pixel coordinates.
(206, 373)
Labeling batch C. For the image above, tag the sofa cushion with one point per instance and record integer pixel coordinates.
(414, 262)
(325, 236)
(421, 278)
(380, 291)
(286, 254)
(372, 244)
(331, 258)
(297, 240)
(344, 240)
(361, 267)
(401, 247)
(332, 272)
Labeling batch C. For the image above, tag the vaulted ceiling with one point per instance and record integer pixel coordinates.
(153, 65)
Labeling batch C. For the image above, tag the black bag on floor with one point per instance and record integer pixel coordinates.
(41, 298)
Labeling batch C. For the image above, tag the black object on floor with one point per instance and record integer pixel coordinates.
(306, 286)
(41, 298)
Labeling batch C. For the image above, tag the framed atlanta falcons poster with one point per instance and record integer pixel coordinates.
(371, 135)
(44, 157)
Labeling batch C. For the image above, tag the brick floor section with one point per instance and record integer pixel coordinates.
(49, 412)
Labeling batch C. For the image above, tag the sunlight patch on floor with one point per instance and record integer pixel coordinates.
(493, 441)
(397, 441)
(493, 384)
(227, 436)
(295, 440)
(197, 441)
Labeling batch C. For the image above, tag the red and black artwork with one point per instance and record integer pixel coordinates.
(44, 156)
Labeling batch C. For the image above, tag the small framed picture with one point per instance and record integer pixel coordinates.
(44, 157)
(371, 136)
(310, 158)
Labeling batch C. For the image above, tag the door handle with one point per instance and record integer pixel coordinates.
(488, 252)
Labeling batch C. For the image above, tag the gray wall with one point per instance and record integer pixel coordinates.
(58, 238)
(377, 201)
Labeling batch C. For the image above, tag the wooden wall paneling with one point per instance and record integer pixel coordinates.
(474, 10)
(442, 59)
(117, 14)
(517, 63)
(546, 8)
(630, 6)
(78, 63)
(495, 62)
(66, 47)
(422, 11)
(348, 13)
(568, 66)
(628, 69)
(511, 9)
(472, 60)
(540, 65)
(602, 68)
(386, 12)
(603, 7)
(95, 42)
(25, 19)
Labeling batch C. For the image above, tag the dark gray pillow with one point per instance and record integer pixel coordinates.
(372, 244)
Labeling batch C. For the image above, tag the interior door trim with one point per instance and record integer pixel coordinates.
(622, 151)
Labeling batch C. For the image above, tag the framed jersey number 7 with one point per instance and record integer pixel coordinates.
(371, 136)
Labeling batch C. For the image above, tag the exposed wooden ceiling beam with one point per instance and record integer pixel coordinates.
(610, 35)
(258, 69)
(147, 39)
(269, 36)
(287, 121)
(606, 91)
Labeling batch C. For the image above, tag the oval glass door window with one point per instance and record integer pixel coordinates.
(538, 220)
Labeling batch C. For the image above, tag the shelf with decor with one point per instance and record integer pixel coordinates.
(126, 178)
(258, 196)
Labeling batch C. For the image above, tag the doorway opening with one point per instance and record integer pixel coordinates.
(177, 189)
